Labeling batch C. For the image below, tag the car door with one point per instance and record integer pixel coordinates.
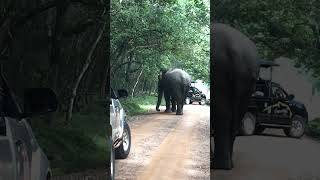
(7, 162)
(262, 101)
(115, 116)
(22, 148)
(280, 111)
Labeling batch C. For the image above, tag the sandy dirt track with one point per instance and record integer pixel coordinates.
(168, 147)
(273, 156)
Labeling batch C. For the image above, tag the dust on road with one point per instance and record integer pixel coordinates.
(169, 147)
(273, 156)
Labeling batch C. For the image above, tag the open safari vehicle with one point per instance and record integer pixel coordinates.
(272, 107)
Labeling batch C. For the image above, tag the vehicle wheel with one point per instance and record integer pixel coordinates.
(248, 124)
(112, 163)
(48, 176)
(123, 150)
(297, 128)
(259, 130)
(187, 100)
(202, 102)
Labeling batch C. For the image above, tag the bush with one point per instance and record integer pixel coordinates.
(139, 104)
(80, 146)
(70, 150)
(314, 128)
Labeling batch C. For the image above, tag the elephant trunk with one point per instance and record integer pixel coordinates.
(160, 94)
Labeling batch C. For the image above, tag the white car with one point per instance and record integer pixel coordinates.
(121, 136)
(20, 155)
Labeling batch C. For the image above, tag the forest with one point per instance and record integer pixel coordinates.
(75, 47)
(147, 35)
(289, 28)
(62, 45)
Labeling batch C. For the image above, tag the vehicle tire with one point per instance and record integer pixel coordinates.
(112, 162)
(188, 100)
(123, 150)
(297, 128)
(203, 101)
(248, 124)
(259, 130)
(48, 176)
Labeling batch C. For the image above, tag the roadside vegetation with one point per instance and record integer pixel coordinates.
(140, 104)
(61, 45)
(314, 128)
(80, 146)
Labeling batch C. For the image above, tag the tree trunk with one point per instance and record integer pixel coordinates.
(104, 87)
(83, 71)
(137, 81)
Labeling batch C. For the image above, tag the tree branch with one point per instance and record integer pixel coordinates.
(141, 47)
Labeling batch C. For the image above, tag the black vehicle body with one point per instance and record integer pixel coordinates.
(195, 95)
(267, 107)
(272, 107)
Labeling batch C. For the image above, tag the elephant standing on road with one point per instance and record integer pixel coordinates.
(235, 70)
(174, 84)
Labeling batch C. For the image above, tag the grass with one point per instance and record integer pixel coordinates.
(314, 128)
(80, 146)
(139, 104)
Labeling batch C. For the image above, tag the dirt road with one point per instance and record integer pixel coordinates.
(273, 156)
(168, 147)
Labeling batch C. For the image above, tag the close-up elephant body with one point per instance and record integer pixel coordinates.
(234, 72)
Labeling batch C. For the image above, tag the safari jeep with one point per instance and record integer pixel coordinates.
(121, 136)
(195, 95)
(20, 155)
(272, 107)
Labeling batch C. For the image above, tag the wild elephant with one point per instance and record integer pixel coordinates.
(234, 73)
(174, 85)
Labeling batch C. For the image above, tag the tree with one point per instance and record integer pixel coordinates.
(148, 35)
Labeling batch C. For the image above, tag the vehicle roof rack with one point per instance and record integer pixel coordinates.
(266, 63)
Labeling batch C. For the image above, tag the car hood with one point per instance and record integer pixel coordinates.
(296, 103)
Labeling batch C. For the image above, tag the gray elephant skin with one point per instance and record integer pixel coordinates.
(234, 73)
(174, 85)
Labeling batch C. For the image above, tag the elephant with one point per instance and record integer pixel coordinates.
(234, 61)
(174, 85)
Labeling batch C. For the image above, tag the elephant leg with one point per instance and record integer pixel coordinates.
(222, 124)
(167, 99)
(174, 104)
(223, 144)
(179, 105)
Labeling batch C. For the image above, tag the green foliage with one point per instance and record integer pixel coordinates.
(84, 140)
(149, 35)
(139, 104)
(279, 28)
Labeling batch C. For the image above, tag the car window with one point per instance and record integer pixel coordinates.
(3, 131)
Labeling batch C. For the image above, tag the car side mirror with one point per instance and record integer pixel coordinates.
(39, 101)
(122, 93)
(291, 97)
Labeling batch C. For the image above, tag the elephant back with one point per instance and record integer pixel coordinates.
(235, 49)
